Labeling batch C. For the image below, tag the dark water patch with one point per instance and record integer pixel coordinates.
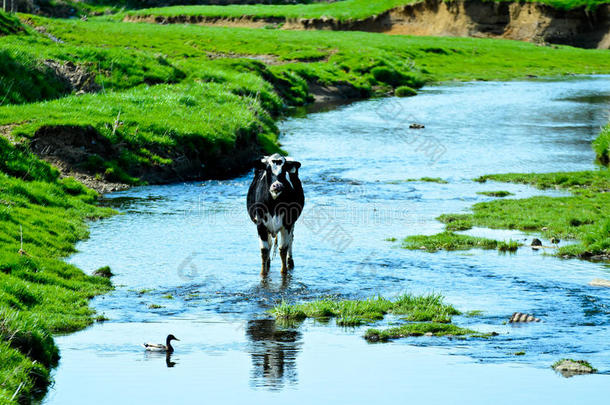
(588, 98)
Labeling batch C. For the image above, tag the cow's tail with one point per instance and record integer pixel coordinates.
(274, 247)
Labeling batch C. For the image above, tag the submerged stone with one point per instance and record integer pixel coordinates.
(569, 368)
(599, 282)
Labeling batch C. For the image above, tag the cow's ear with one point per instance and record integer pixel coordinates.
(261, 163)
(292, 166)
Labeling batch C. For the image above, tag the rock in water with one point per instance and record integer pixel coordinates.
(417, 126)
(569, 367)
(536, 242)
(519, 317)
(599, 282)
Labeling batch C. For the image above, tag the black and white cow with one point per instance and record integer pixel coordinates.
(275, 202)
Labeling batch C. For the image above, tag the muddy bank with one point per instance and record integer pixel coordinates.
(522, 21)
(80, 152)
(530, 22)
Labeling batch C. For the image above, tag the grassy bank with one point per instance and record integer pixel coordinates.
(340, 10)
(41, 218)
(331, 57)
(149, 78)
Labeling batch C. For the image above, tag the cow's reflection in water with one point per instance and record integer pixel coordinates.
(274, 350)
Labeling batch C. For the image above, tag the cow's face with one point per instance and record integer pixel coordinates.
(278, 170)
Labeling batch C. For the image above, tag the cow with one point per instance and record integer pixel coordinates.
(275, 202)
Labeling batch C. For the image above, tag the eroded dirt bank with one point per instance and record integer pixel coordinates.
(79, 151)
(522, 21)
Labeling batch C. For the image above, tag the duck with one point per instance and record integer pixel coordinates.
(156, 347)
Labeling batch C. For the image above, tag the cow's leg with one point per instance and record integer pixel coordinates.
(265, 242)
(290, 261)
(285, 245)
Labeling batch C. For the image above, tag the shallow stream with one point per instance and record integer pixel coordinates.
(191, 249)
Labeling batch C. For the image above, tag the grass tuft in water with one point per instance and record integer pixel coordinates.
(447, 241)
(419, 329)
(500, 193)
(510, 246)
(104, 271)
(584, 363)
(423, 179)
(474, 313)
(287, 312)
(357, 312)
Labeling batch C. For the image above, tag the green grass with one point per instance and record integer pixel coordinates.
(24, 79)
(419, 329)
(157, 124)
(500, 193)
(347, 56)
(456, 222)
(447, 241)
(41, 218)
(583, 182)
(9, 24)
(431, 180)
(114, 69)
(404, 91)
(340, 10)
(357, 312)
(508, 246)
(452, 241)
(418, 314)
(39, 292)
(582, 216)
(422, 179)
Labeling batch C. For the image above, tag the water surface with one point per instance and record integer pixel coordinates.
(191, 249)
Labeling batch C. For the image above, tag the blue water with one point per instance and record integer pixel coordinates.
(192, 249)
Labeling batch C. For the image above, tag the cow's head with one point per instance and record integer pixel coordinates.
(278, 171)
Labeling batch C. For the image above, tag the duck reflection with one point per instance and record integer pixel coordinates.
(157, 356)
(168, 360)
(274, 350)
